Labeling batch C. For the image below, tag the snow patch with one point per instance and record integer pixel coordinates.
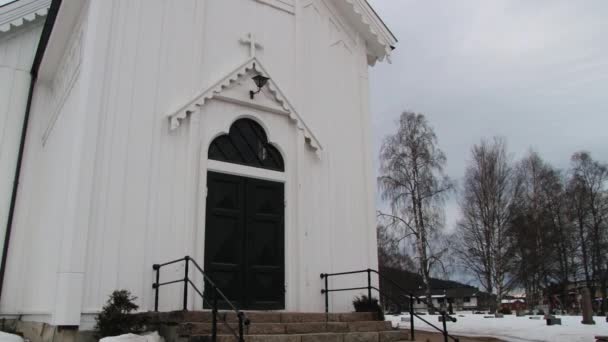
(146, 337)
(6, 337)
(512, 328)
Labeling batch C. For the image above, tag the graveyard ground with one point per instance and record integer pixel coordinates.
(427, 336)
(510, 328)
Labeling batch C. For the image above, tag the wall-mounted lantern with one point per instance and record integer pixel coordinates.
(260, 82)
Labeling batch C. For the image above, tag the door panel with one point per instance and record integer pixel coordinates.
(224, 234)
(244, 240)
(265, 271)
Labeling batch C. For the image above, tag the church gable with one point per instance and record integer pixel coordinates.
(238, 92)
(235, 88)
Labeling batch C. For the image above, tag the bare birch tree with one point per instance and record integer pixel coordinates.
(413, 181)
(484, 238)
(563, 233)
(538, 226)
(589, 206)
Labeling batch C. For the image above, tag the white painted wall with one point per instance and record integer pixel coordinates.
(17, 49)
(40, 272)
(471, 304)
(110, 190)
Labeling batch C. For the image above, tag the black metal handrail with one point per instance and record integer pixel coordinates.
(411, 298)
(406, 294)
(216, 293)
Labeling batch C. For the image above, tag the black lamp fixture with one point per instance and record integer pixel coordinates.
(260, 82)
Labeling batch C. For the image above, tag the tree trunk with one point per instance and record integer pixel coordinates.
(424, 270)
(429, 300)
(497, 303)
(581, 231)
(604, 306)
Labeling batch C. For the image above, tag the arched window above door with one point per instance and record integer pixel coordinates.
(246, 144)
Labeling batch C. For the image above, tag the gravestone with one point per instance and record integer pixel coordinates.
(587, 308)
(448, 319)
(552, 320)
(499, 315)
(535, 317)
(489, 317)
(520, 314)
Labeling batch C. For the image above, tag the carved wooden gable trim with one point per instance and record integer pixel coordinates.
(380, 41)
(230, 88)
(18, 13)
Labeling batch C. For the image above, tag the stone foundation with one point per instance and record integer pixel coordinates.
(43, 332)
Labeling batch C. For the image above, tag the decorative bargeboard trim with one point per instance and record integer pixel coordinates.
(14, 15)
(252, 64)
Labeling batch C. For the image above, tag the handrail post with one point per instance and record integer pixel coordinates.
(214, 315)
(241, 330)
(155, 286)
(369, 287)
(445, 328)
(186, 258)
(412, 317)
(323, 275)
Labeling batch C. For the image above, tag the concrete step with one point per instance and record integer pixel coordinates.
(174, 317)
(382, 336)
(190, 328)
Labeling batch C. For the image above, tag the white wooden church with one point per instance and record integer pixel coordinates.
(135, 132)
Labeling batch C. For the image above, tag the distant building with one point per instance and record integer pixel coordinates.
(462, 298)
(514, 304)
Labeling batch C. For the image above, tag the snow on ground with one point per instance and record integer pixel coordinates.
(512, 328)
(145, 337)
(6, 337)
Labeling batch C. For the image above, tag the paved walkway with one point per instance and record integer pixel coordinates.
(424, 336)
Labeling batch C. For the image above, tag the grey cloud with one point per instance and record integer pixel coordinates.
(535, 72)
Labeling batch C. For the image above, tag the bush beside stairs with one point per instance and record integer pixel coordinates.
(195, 326)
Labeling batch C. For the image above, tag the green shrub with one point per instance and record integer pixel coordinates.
(363, 304)
(115, 318)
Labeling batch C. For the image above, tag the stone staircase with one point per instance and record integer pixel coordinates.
(195, 326)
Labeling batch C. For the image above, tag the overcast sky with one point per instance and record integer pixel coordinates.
(534, 72)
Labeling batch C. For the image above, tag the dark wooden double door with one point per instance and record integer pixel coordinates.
(244, 240)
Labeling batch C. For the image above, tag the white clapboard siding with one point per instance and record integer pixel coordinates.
(17, 49)
(110, 189)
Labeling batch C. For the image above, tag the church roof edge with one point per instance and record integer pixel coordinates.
(381, 41)
(20, 12)
(382, 21)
